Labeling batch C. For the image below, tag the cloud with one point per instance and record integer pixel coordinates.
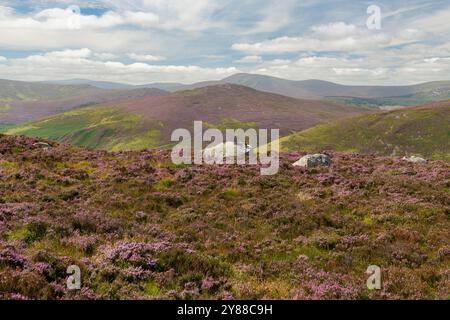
(145, 57)
(67, 64)
(250, 59)
(105, 56)
(337, 36)
(288, 39)
(73, 18)
(3, 59)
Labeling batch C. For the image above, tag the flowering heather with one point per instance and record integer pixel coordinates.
(140, 227)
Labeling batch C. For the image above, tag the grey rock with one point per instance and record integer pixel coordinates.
(313, 160)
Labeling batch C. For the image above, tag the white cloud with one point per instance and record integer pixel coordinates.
(105, 56)
(337, 36)
(3, 59)
(68, 54)
(336, 29)
(67, 64)
(68, 19)
(412, 46)
(250, 59)
(276, 15)
(145, 57)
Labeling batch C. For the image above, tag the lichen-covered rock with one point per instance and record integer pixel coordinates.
(313, 160)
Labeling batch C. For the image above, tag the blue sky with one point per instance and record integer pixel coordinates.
(187, 41)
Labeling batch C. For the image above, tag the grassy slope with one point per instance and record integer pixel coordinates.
(105, 128)
(409, 100)
(423, 131)
(147, 122)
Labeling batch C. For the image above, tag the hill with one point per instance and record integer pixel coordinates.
(25, 101)
(149, 121)
(98, 84)
(362, 95)
(421, 131)
(141, 228)
(372, 96)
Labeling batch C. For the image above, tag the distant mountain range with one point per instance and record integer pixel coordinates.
(112, 116)
(371, 96)
(148, 121)
(25, 101)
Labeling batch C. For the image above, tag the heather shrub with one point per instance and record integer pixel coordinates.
(49, 265)
(10, 258)
(36, 231)
(30, 233)
(163, 184)
(140, 228)
(229, 193)
(191, 264)
(29, 285)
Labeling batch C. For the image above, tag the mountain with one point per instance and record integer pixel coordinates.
(25, 101)
(98, 84)
(140, 227)
(369, 96)
(422, 131)
(365, 95)
(149, 121)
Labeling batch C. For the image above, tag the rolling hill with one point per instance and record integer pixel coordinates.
(25, 101)
(98, 84)
(325, 89)
(423, 131)
(369, 96)
(149, 121)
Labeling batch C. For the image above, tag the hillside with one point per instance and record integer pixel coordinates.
(25, 101)
(421, 131)
(362, 95)
(322, 89)
(134, 124)
(142, 228)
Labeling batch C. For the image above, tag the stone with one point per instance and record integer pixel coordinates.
(43, 145)
(313, 160)
(414, 159)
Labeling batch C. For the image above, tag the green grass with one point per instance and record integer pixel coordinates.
(421, 132)
(104, 128)
(231, 123)
(5, 127)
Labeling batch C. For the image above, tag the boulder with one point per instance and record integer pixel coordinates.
(414, 159)
(223, 151)
(43, 145)
(313, 160)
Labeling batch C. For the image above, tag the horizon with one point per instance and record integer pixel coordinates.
(55, 81)
(141, 42)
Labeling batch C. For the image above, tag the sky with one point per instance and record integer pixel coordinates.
(148, 41)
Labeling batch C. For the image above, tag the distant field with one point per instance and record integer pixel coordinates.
(95, 127)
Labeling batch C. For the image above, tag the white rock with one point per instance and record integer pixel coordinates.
(225, 150)
(313, 160)
(43, 145)
(414, 159)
